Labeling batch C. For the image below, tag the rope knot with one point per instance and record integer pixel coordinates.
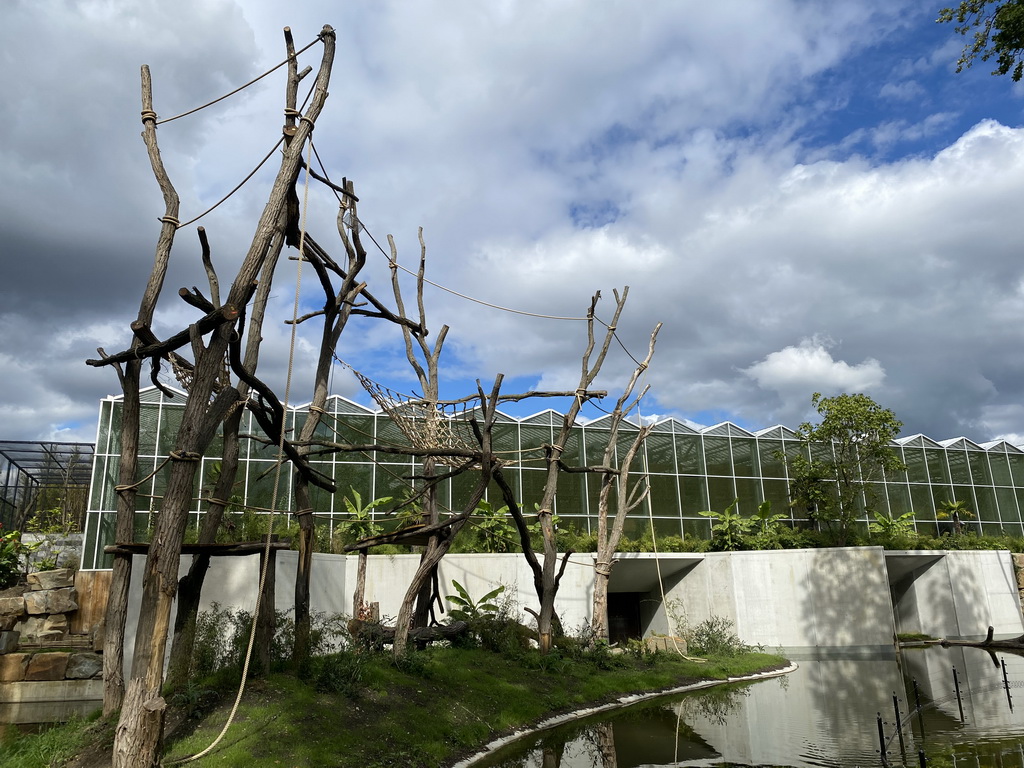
(171, 220)
(148, 114)
(184, 456)
(304, 512)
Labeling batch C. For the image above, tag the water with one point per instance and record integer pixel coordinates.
(823, 715)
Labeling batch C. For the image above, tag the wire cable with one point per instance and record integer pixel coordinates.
(239, 88)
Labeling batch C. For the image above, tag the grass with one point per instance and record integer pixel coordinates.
(442, 703)
(372, 713)
(51, 747)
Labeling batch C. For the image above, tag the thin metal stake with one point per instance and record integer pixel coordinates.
(899, 722)
(881, 740)
(922, 759)
(959, 700)
(920, 712)
(1006, 684)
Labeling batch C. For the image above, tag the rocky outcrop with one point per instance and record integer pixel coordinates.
(37, 638)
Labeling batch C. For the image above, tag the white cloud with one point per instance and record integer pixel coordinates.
(810, 367)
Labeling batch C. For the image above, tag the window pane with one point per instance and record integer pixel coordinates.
(1000, 469)
(772, 464)
(987, 510)
(694, 495)
(660, 453)
(743, 457)
(979, 467)
(748, 491)
(716, 454)
(938, 472)
(958, 465)
(722, 493)
(691, 456)
(917, 471)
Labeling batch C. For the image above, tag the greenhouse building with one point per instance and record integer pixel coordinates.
(690, 471)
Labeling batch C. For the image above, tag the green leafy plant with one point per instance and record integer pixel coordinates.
(768, 528)
(497, 533)
(12, 549)
(715, 637)
(360, 523)
(469, 611)
(893, 527)
(728, 533)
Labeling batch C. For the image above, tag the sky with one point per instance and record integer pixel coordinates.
(805, 193)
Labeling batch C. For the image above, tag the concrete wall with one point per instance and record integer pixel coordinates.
(955, 594)
(853, 598)
(801, 598)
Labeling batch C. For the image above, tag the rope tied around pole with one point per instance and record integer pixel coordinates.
(148, 114)
(603, 567)
(184, 456)
(171, 220)
(303, 512)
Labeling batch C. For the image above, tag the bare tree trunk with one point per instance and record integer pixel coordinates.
(616, 478)
(117, 602)
(359, 596)
(138, 740)
(194, 434)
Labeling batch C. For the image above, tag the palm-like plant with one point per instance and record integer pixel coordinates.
(957, 511)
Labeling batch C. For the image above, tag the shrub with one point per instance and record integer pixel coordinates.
(715, 637)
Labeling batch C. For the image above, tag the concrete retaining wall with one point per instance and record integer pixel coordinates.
(801, 598)
(853, 598)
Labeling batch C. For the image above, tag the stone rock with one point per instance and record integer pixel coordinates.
(8, 622)
(16, 591)
(62, 577)
(47, 666)
(82, 666)
(38, 628)
(9, 641)
(55, 627)
(13, 666)
(660, 643)
(12, 606)
(99, 636)
(1020, 578)
(51, 601)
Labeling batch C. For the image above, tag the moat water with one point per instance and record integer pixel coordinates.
(823, 715)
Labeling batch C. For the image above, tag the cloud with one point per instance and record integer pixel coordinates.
(810, 367)
(549, 151)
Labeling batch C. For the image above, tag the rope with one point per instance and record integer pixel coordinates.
(277, 484)
(239, 88)
(395, 265)
(237, 187)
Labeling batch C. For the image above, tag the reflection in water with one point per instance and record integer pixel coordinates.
(823, 715)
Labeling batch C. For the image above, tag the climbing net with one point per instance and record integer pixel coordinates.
(426, 424)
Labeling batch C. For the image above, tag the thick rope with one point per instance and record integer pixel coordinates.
(277, 483)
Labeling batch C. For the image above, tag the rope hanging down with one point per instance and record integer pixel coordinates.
(274, 496)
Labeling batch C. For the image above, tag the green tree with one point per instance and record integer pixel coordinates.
(998, 27)
(845, 454)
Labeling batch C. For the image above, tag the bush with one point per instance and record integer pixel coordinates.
(715, 637)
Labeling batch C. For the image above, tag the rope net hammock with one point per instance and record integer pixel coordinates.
(425, 424)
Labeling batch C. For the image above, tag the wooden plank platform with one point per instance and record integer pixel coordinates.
(236, 549)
